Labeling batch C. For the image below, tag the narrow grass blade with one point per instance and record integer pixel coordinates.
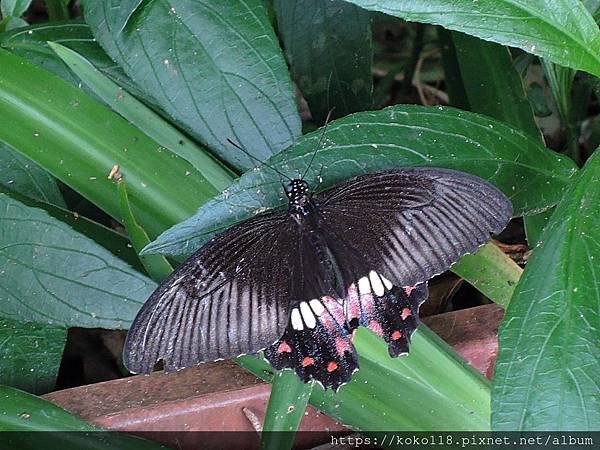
(287, 403)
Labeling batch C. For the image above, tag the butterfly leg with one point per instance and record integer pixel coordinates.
(391, 312)
(316, 344)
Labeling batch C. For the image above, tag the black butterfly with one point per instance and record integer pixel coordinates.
(298, 283)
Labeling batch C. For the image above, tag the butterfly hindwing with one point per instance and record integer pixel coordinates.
(391, 312)
(316, 344)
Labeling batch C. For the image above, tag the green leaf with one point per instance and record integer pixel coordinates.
(108, 238)
(57, 10)
(287, 403)
(144, 118)
(546, 376)
(15, 8)
(328, 45)
(531, 175)
(30, 354)
(534, 226)
(560, 79)
(54, 275)
(31, 43)
(452, 75)
(492, 83)
(562, 31)
(23, 413)
(157, 266)
(11, 23)
(593, 6)
(431, 389)
(79, 141)
(21, 175)
(215, 68)
(494, 87)
(492, 272)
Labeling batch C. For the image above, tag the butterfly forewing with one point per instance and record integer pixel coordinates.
(410, 224)
(229, 298)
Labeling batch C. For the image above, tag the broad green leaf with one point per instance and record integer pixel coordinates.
(23, 413)
(30, 354)
(546, 375)
(157, 266)
(21, 175)
(80, 141)
(54, 275)
(287, 403)
(532, 176)
(430, 389)
(328, 45)
(214, 67)
(15, 8)
(32, 44)
(562, 31)
(144, 118)
(108, 238)
(492, 272)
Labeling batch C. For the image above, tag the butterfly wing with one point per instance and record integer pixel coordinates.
(229, 298)
(409, 224)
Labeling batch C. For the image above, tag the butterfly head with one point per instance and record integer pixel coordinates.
(298, 194)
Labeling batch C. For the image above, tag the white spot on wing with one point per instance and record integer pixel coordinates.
(364, 287)
(297, 320)
(376, 283)
(317, 306)
(388, 283)
(307, 315)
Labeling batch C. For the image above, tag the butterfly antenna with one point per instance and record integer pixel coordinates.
(320, 141)
(262, 163)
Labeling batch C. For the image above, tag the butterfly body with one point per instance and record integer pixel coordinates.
(298, 283)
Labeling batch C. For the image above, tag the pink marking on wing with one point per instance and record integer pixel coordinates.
(332, 366)
(366, 300)
(374, 325)
(409, 289)
(353, 302)
(284, 347)
(336, 313)
(342, 345)
(405, 313)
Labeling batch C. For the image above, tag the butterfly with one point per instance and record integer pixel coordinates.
(296, 284)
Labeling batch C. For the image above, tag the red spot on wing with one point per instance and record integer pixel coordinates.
(307, 361)
(376, 327)
(405, 313)
(408, 289)
(332, 366)
(284, 347)
(396, 335)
